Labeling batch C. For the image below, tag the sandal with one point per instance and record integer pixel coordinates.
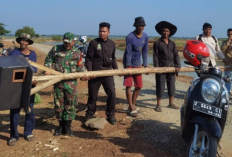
(29, 138)
(134, 113)
(158, 109)
(173, 106)
(12, 141)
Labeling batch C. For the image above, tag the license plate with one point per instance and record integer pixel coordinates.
(207, 109)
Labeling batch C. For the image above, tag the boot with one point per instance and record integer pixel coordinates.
(67, 126)
(59, 129)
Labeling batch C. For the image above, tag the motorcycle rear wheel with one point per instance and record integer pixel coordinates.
(206, 145)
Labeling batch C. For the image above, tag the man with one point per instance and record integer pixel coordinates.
(165, 55)
(85, 45)
(65, 58)
(101, 56)
(212, 44)
(24, 40)
(136, 46)
(227, 51)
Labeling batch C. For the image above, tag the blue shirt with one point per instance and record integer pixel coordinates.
(135, 48)
(31, 56)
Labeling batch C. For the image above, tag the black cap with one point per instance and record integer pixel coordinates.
(139, 21)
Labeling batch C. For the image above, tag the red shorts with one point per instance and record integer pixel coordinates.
(138, 81)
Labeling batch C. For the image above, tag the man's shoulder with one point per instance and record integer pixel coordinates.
(145, 35)
(15, 51)
(58, 47)
(110, 41)
(130, 35)
(157, 41)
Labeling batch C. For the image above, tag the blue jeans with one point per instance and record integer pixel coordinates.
(29, 121)
(228, 85)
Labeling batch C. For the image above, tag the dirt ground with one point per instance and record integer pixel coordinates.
(152, 134)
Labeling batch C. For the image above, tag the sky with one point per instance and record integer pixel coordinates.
(82, 17)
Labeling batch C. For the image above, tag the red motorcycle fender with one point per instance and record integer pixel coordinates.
(210, 124)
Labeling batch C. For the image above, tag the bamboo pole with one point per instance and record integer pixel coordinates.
(103, 73)
(44, 85)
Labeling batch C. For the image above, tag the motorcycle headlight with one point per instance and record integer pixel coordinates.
(210, 90)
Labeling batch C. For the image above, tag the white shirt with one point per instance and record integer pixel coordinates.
(213, 47)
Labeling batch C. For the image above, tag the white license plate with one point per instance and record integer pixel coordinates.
(207, 109)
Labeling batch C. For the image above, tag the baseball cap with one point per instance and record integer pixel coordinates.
(68, 37)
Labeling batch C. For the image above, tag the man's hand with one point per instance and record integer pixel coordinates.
(85, 78)
(146, 73)
(226, 62)
(34, 82)
(46, 73)
(177, 70)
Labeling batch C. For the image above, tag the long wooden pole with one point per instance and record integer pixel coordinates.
(59, 76)
(118, 72)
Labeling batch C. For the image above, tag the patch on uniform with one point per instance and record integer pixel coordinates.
(98, 46)
(143, 41)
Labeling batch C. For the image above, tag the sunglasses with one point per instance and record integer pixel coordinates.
(229, 34)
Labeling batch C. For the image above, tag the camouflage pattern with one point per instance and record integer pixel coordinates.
(26, 37)
(65, 100)
(64, 61)
(65, 93)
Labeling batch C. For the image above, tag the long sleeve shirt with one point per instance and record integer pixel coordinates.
(226, 50)
(213, 47)
(135, 48)
(165, 55)
(64, 61)
(101, 55)
(31, 56)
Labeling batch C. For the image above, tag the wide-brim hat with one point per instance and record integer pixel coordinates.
(25, 37)
(139, 21)
(164, 24)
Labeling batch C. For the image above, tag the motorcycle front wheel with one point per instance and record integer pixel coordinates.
(206, 145)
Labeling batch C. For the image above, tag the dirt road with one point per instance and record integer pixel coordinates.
(152, 134)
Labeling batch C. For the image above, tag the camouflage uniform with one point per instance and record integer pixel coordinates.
(65, 93)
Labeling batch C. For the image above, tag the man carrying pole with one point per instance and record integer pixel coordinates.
(65, 59)
(165, 55)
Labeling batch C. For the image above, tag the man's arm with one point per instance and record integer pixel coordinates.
(115, 65)
(144, 53)
(50, 58)
(155, 54)
(89, 56)
(176, 57)
(129, 43)
(219, 52)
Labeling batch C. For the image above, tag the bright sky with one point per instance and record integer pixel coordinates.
(82, 17)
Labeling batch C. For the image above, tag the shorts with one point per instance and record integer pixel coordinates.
(137, 78)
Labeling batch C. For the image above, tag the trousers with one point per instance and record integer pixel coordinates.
(29, 120)
(160, 84)
(65, 100)
(93, 88)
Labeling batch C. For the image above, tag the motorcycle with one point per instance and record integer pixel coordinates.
(205, 109)
(6, 51)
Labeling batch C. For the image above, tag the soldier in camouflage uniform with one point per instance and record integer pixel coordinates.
(65, 58)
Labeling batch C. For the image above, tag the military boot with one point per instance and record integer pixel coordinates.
(67, 126)
(59, 129)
